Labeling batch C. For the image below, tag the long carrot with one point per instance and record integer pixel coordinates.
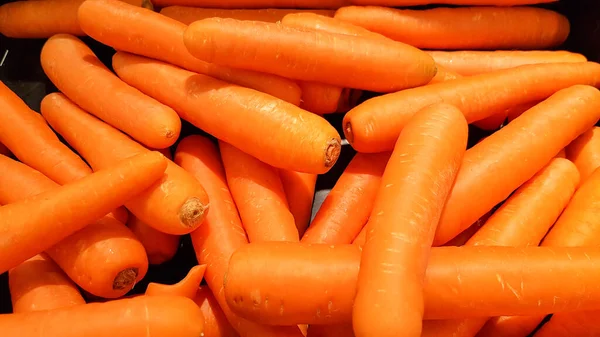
(37, 223)
(585, 152)
(176, 204)
(160, 247)
(39, 284)
(215, 322)
(188, 287)
(299, 191)
(360, 63)
(123, 26)
(239, 116)
(160, 316)
(222, 232)
(393, 3)
(477, 28)
(461, 281)
(469, 63)
(187, 15)
(327, 4)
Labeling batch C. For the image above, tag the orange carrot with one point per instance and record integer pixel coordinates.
(37, 223)
(40, 19)
(160, 247)
(585, 152)
(176, 204)
(469, 63)
(328, 4)
(215, 322)
(222, 232)
(39, 284)
(259, 195)
(375, 125)
(188, 287)
(299, 191)
(144, 32)
(158, 316)
(511, 156)
(346, 209)
(393, 3)
(187, 15)
(360, 63)
(240, 115)
(477, 28)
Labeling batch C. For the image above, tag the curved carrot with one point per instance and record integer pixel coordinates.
(469, 63)
(240, 115)
(299, 191)
(160, 247)
(222, 232)
(585, 152)
(188, 287)
(176, 204)
(375, 125)
(347, 207)
(144, 32)
(259, 195)
(360, 63)
(39, 284)
(159, 316)
(70, 65)
(187, 15)
(215, 322)
(477, 28)
(329, 4)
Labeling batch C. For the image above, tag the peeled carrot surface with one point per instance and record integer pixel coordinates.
(188, 15)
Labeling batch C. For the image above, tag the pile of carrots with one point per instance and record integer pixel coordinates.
(420, 236)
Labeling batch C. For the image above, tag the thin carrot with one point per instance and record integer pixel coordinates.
(188, 287)
(187, 15)
(392, 3)
(299, 191)
(176, 204)
(37, 223)
(215, 322)
(160, 247)
(242, 117)
(360, 63)
(39, 284)
(347, 207)
(259, 195)
(469, 63)
(123, 26)
(158, 316)
(478, 28)
(585, 152)
(222, 232)
(249, 4)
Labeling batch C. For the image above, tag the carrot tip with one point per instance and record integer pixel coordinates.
(125, 279)
(192, 212)
(332, 152)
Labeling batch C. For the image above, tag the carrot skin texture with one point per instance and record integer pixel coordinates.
(188, 287)
(375, 125)
(194, 97)
(187, 15)
(299, 191)
(214, 39)
(33, 19)
(39, 284)
(215, 322)
(585, 152)
(158, 316)
(176, 204)
(160, 247)
(327, 4)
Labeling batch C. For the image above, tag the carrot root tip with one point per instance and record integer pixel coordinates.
(332, 152)
(125, 279)
(192, 212)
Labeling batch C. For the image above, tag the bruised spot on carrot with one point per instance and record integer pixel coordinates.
(192, 212)
(332, 152)
(125, 279)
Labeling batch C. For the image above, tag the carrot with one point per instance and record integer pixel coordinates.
(249, 4)
(215, 322)
(460, 282)
(299, 191)
(375, 125)
(347, 207)
(160, 247)
(259, 195)
(392, 3)
(39, 284)
(158, 316)
(585, 152)
(176, 204)
(39, 19)
(477, 28)
(141, 31)
(222, 232)
(187, 15)
(470, 62)
(188, 287)
(37, 223)
(243, 111)
(511, 156)
(360, 63)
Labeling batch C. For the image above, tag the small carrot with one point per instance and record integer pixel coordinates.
(477, 28)
(187, 15)
(469, 63)
(299, 191)
(144, 32)
(249, 4)
(215, 322)
(347, 207)
(240, 115)
(585, 152)
(176, 204)
(39, 284)
(360, 63)
(188, 287)
(160, 247)
(157, 316)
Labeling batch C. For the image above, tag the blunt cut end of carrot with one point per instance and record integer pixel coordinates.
(125, 279)
(332, 152)
(193, 212)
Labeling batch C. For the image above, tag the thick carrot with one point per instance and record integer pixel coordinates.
(37, 223)
(215, 322)
(347, 207)
(188, 287)
(39, 284)
(393, 3)
(469, 63)
(144, 32)
(299, 191)
(160, 247)
(585, 152)
(478, 28)
(222, 232)
(188, 15)
(249, 4)
(176, 204)
(259, 195)
(157, 316)
(461, 281)
(239, 116)
(360, 63)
